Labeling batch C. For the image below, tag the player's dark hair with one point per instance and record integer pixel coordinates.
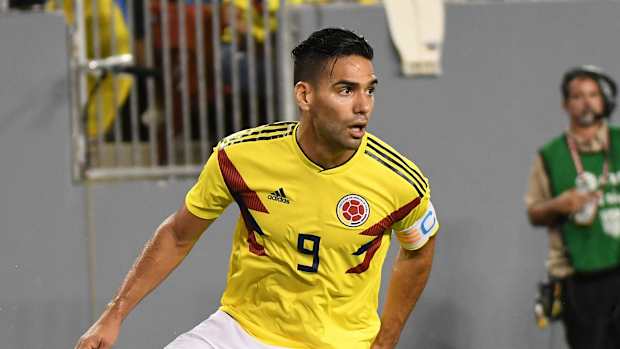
(311, 55)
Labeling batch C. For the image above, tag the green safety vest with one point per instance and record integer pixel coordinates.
(595, 247)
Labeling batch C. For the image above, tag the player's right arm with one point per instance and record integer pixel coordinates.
(542, 208)
(170, 244)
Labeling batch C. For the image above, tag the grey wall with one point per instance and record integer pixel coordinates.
(43, 272)
(473, 131)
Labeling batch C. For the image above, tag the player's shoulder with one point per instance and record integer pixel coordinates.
(395, 165)
(258, 135)
(376, 146)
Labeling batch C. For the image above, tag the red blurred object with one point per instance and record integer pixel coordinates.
(174, 35)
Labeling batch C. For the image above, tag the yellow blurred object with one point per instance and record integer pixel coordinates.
(541, 320)
(105, 91)
(556, 307)
(258, 30)
(543, 323)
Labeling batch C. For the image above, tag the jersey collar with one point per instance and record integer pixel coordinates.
(318, 169)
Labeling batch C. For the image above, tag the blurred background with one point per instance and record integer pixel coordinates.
(109, 108)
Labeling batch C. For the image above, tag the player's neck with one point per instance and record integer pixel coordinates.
(585, 133)
(318, 151)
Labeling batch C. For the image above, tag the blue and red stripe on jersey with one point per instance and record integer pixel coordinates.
(246, 198)
(377, 230)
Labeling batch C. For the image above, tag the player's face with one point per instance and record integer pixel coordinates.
(344, 102)
(584, 101)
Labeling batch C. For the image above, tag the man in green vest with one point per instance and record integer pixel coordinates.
(574, 190)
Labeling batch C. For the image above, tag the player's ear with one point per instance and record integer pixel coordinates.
(303, 95)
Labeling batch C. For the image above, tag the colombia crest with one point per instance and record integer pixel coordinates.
(352, 210)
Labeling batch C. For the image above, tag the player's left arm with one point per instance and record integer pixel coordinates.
(410, 271)
(409, 275)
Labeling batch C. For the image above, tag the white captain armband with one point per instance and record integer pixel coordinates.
(418, 234)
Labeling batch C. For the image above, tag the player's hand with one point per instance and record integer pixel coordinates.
(572, 201)
(101, 335)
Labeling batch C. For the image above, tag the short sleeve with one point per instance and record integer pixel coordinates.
(418, 226)
(209, 196)
(538, 187)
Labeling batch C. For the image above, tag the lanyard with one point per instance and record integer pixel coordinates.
(572, 146)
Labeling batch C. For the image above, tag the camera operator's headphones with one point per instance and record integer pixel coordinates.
(606, 84)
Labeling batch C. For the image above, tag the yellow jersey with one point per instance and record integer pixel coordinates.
(108, 12)
(305, 265)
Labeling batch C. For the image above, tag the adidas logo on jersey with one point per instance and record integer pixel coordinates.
(279, 195)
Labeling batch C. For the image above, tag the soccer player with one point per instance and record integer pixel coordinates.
(313, 230)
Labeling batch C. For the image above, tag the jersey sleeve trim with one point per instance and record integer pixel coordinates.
(383, 160)
(398, 159)
(418, 234)
(266, 132)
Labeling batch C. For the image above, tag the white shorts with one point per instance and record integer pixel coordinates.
(219, 331)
